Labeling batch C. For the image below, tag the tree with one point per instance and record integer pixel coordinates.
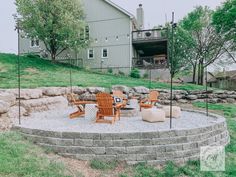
(181, 44)
(58, 24)
(208, 45)
(224, 22)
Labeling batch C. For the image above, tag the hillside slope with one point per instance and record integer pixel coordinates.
(36, 72)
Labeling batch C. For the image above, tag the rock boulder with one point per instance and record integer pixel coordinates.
(4, 107)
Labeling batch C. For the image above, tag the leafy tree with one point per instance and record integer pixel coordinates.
(207, 45)
(58, 24)
(181, 49)
(224, 22)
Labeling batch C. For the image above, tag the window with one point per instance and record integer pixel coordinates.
(104, 53)
(34, 43)
(82, 34)
(87, 32)
(90, 54)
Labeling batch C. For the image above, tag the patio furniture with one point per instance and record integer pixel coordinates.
(176, 111)
(79, 104)
(90, 111)
(153, 115)
(150, 101)
(106, 108)
(120, 94)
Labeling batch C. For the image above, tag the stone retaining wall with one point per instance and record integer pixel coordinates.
(151, 147)
(47, 98)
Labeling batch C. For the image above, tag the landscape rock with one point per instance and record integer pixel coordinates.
(8, 97)
(180, 92)
(122, 88)
(214, 100)
(192, 97)
(5, 123)
(219, 91)
(232, 96)
(230, 100)
(54, 91)
(178, 97)
(4, 107)
(141, 89)
(88, 96)
(14, 112)
(182, 101)
(45, 104)
(28, 94)
(75, 89)
(223, 96)
(95, 89)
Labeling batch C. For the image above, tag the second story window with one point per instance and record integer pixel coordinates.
(87, 32)
(34, 43)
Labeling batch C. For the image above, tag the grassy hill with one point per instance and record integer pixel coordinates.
(36, 72)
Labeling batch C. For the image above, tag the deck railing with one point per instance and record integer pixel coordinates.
(152, 34)
(150, 62)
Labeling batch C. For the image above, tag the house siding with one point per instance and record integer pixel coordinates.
(105, 21)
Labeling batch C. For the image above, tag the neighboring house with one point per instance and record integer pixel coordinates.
(118, 39)
(224, 80)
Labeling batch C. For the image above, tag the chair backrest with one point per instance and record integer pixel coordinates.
(105, 104)
(71, 97)
(154, 95)
(118, 93)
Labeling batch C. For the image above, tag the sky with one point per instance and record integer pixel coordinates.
(155, 14)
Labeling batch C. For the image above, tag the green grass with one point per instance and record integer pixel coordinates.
(99, 165)
(20, 158)
(36, 72)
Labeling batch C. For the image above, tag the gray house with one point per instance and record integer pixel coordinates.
(118, 39)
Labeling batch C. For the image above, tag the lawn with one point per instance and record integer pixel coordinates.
(36, 72)
(19, 157)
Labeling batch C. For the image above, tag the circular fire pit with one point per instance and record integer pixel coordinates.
(130, 140)
(129, 112)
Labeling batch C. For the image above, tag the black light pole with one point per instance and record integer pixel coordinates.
(150, 80)
(71, 89)
(173, 25)
(19, 76)
(206, 78)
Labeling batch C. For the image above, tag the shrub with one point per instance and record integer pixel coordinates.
(145, 76)
(135, 73)
(110, 70)
(121, 73)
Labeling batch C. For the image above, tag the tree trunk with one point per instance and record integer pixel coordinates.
(53, 57)
(198, 73)
(194, 73)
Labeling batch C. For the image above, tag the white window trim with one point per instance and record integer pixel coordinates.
(107, 52)
(35, 46)
(88, 54)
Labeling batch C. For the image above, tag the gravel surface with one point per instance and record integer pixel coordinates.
(59, 121)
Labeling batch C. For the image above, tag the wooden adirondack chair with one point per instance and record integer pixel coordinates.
(80, 105)
(120, 94)
(106, 108)
(150, 101)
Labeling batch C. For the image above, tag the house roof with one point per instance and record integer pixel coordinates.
(223, 75)
(120, 9)
(226, 74)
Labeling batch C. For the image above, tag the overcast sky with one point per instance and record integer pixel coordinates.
(155, 12)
